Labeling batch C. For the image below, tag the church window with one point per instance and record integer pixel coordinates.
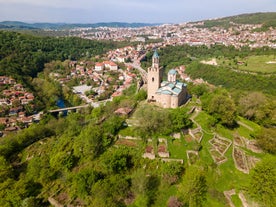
(152, 79)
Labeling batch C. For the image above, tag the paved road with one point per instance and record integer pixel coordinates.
(143, 73)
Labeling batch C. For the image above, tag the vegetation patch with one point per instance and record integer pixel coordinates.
(219, 147)
(192, 156)
(149, 151)
(196, 134)
(163, 148)
(240, 160)
(127, 142)
(177, 148)
(254, 63)
(217, 157)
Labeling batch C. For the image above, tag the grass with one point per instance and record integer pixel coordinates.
(165, 192)
(259, 64)
(249, 131)
(203, 119)
(225, 176)
(128, 131)
(251, 124)
(253, 63)
(221, 177)
(224, 132)
(215, 200)
(236, 200)
(177, 149)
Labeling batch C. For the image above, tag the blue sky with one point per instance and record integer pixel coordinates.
(148, 11)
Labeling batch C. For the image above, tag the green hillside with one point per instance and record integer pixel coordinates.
(267, 19)
(23, 56)
(217, 148)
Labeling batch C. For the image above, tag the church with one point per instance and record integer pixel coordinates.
(167, 94)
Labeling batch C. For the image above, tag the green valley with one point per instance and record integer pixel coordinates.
(121, 148)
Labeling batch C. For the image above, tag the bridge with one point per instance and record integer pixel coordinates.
(68, 108)
(75, 108)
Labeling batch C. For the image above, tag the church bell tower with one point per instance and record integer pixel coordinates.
(154, 77)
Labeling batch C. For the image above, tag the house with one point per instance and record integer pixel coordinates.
(4, 121)
(99, 67)
(121, 59)
(4, 101)
(123, 111)
(21, 114)
(27, 120)
(110, 65)
(113, 66)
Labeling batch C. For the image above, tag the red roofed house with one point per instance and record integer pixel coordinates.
(99, 66)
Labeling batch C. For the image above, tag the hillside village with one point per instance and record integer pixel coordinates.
(105, 80)
(17, 106)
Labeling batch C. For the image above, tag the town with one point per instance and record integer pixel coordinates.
(104, 80)
(118, 69)
(95, 82)
(237, 35)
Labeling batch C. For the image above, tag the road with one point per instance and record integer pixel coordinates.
(137, 66)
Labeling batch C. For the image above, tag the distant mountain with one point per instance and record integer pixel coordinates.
(268, 19)
(23, 25)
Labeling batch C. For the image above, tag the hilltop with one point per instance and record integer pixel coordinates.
(60, 26)
(267, 19)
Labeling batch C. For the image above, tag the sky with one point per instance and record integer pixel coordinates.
(146, 11)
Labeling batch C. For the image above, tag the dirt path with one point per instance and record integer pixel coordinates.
(245, 125)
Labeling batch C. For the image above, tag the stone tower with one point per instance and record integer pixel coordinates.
(154, 77)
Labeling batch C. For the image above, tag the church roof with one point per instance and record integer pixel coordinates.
(155, 54)
(171, 88)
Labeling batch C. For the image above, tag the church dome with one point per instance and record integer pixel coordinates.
(155, 54)
(172, 72)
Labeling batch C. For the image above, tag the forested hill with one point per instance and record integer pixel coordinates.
(24, 25)
(24, 55)
(267, 19)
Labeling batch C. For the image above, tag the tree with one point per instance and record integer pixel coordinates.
(144, 187)
(262, 183)
(82, 182)
(30, 202)
(250, 103)
(180, 119)
(193, 188)
(62, 160)
(110, 192)
(172, 172)
(223, 108)
(266, 139)
(89, 143)
(220, 105)
(152, 120)
(118, 160)
(199, 90)
(5, 169)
